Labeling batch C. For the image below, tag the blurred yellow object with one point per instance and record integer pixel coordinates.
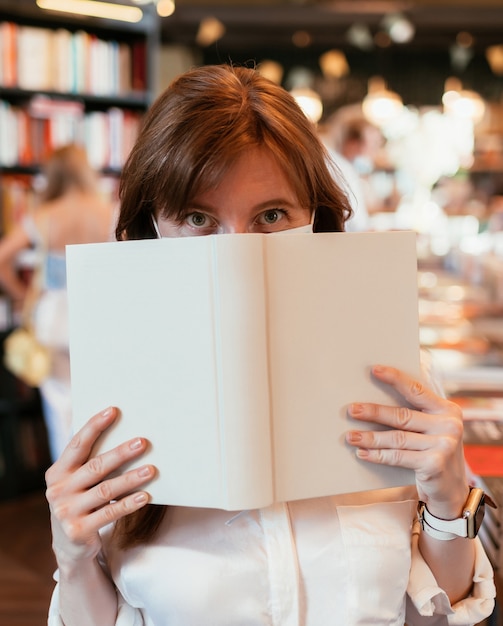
(26, 358)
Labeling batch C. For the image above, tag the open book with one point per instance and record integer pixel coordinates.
(237, 355)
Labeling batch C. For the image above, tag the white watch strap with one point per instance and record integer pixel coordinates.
(437, 534)
(443, 529)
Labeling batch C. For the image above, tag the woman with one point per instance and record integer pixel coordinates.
(225, 151)
(71, 210)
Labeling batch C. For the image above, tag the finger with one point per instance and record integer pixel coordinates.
(79, 448)
(413, 391)
(410, 459)
(116, 488)
(98, 468)
(403, 418)
(430, 455)
(432, 468)
(391, 440)
(78, 529)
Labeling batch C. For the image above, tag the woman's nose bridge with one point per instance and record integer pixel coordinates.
(234, 227)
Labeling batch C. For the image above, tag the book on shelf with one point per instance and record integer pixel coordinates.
(37, 58)
(8, 54)
(483, 445)
(480, 407)
(29, 134)
(61, 58)
(473, 380)
(139, 74)
(236, 356)
(125, 68)
(34, 58)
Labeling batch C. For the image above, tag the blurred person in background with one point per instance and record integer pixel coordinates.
(353, 144)
(71, 210)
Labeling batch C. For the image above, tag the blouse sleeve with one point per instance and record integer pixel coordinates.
(428, 604)
(126, 614)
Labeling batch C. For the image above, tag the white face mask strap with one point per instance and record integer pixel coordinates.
(307, 228)
(156, 226)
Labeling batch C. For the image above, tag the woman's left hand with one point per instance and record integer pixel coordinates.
(426, 436)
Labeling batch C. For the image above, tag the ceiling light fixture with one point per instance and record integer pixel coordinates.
(94, 8)
(460, 57)
(494, 56)
(399, 28)
(381, 105)
(272, 70)
(301, 39)
(165, 8)
(310, 102)
(462, 103)
(210, 30)
(334, 64)
(359, 35)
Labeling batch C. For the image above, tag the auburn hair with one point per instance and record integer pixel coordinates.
(68, 168)
(199, 127)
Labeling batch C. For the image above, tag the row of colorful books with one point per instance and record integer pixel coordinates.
(29, 134)
(41, 59)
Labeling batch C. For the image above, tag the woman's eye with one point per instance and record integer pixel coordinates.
(197, 219)
(272, 216)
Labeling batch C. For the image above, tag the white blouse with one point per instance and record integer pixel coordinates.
(342, 561)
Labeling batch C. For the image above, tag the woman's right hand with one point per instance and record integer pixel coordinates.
(81, 497)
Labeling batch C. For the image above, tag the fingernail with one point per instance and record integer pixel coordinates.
(145, 471)
(353, 436)
(361, 453)
(140, 498)
(355, 409)
(107, 412)
(136, 444)
(378, 369)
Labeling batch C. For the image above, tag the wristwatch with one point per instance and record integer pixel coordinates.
(465, 526)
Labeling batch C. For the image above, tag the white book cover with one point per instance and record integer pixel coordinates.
(236, 356)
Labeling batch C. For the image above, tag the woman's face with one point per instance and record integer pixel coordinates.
(254, 197)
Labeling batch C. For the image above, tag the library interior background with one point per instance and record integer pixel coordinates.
(428, 74)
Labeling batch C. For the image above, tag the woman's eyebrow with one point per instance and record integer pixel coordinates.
(270, 202)
(276, 201)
